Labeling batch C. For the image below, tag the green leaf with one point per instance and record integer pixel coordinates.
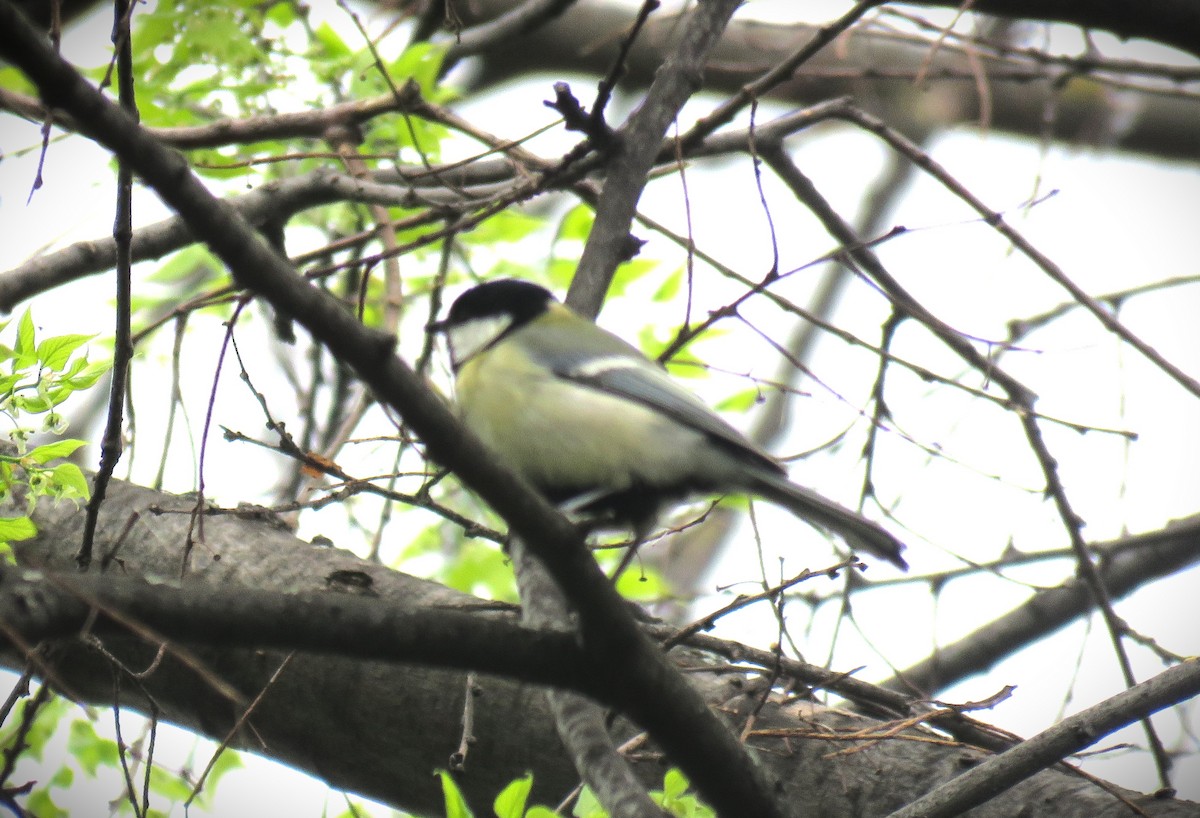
(510, 803)
(16, 528)
(70, 482)
(507, 225)
(421, 62)
(676, 799)
(629, 272)
(228, 761)
(26, 347)
(40, 804)
(50, 451)
(76, 366)
(675, 783)
(62, 778)
(740, 401)
(480, 568)
(88, 376)
(90, 750)
(55, 352)
(169, 785)
(588, 806)
(577, 224)
(331, 41)
(541, 812)
(456, 805)
(45, 725)
(186, 265)
(670, 287)
(32, 405)
(558, 272)
(14, 80)
(282, 15)
(640, 582)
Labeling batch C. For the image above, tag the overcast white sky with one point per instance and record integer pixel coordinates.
(1115, 221)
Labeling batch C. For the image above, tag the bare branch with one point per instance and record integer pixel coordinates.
(583, 40)
(1069, 736)
(1124, 566)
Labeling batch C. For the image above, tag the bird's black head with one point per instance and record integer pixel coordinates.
(520, 301)
(488, 312)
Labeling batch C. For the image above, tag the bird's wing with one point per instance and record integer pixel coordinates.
(623, 371)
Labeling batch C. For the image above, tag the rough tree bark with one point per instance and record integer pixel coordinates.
(380, 727)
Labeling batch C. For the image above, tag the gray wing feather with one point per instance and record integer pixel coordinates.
(636, 378)
(612, 365)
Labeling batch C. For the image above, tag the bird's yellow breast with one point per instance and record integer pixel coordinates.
(561, 435)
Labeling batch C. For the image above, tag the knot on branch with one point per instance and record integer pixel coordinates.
(577, 118)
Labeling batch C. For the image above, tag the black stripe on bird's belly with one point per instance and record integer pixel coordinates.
(636, 507)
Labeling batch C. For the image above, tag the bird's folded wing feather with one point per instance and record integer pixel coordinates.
(644, 382)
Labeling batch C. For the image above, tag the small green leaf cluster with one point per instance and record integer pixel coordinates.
(90, 755)
(36, 376)
(674, 797)
(197, 62)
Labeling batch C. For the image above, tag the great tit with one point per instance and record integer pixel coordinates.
(601, 430)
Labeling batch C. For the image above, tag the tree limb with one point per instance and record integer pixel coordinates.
(378, 728)
(583, 40)
(1124, 566)
(1082, 730)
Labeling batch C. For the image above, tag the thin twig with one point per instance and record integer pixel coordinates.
(996, 219)
(111, 443)
(242, 718)
(1021, 397)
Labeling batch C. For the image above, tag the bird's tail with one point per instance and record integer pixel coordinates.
(858, 532)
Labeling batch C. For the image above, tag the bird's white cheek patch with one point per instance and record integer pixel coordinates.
(471, 337)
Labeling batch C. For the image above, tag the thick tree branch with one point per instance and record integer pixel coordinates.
(343, 621)
(582, 41)
(1124, 566)
(378, 728)
(680, 76)
(1171, 22)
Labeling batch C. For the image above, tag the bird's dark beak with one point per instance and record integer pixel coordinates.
(437, 327)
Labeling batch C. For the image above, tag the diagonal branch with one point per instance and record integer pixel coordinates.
(1125, 566)
(652, 693)
(1020, 396)
(1069, 736)
(639, 140)
(1105, 316)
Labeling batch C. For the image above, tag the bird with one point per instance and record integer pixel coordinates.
(601, 430)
